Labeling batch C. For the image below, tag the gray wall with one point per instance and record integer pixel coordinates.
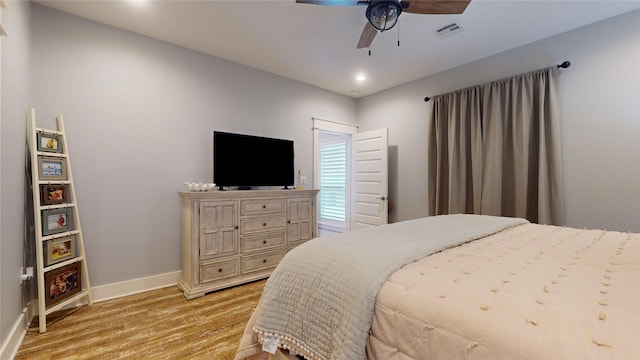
(599, 95)
(15, 96)
(139, 116)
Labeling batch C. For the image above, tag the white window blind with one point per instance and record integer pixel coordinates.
(333, 180)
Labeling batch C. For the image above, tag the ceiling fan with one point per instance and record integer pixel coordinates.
(383, 15)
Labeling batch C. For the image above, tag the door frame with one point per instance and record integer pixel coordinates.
(322, 125)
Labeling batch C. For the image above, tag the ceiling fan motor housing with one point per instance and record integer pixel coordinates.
(383, 14)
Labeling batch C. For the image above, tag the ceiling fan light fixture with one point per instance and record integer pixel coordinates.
(383, 15)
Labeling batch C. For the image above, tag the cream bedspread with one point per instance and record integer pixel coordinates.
(531, 291)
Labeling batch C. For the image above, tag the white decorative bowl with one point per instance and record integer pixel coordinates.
(191, 186)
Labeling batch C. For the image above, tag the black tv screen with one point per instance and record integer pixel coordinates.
(247, 160)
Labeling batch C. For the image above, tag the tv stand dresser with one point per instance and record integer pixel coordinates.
(234, 237)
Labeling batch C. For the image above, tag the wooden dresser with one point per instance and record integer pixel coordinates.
(234, 237)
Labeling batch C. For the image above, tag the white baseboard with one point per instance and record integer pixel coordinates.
(135, 286)
(16, 334)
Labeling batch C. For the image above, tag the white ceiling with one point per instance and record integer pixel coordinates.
(317, 44)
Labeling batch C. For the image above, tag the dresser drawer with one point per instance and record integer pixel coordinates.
(218, 270)
(261, 261)
(261, 206)
(262, 224)
(262, 242)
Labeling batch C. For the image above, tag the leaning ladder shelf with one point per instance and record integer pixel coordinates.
(54, 198)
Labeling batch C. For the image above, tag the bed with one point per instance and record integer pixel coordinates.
(453, 287)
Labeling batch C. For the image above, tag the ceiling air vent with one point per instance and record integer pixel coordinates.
(448, 30)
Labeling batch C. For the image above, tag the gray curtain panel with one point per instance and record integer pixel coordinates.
(494, 149)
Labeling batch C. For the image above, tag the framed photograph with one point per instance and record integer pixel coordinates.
(49, 142)
(61, 249)
(61, 283)
(52, 168)
(54, 194)
(56, 221)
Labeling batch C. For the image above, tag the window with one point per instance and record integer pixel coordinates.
(333, 179)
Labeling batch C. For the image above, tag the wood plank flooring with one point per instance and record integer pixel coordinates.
(159, 324)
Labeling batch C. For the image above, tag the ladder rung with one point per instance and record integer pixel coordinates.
(47, 131)
(59, 235)
(49, 182)
(62, 263)
(58, 206)
(51, 154)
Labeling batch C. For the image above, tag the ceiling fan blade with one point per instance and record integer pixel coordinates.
(368, 33)
(329, 2)
(435, 6)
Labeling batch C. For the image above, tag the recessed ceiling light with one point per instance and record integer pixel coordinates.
(360, 77)
(139, 3)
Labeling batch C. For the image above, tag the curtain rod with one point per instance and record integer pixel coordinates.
(564, 65)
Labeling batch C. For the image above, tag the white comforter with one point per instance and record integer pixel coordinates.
(319, 301)
(529, 292)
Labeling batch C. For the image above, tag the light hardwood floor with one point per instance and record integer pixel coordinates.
(159, 324)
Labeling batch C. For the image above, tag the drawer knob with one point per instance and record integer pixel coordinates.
(264, 224)
(264, 261)
(288, 221)
(236, 227)
(264, 241)
(220, 270)
(264, 206)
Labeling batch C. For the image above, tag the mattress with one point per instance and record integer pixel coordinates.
(530, 291)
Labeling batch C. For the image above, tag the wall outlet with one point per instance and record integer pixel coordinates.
(26, 274)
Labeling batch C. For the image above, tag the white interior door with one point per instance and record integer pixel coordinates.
(370, 179)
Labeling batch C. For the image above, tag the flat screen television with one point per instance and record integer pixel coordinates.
(246, 161)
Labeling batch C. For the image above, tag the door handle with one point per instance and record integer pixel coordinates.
(383, 198)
